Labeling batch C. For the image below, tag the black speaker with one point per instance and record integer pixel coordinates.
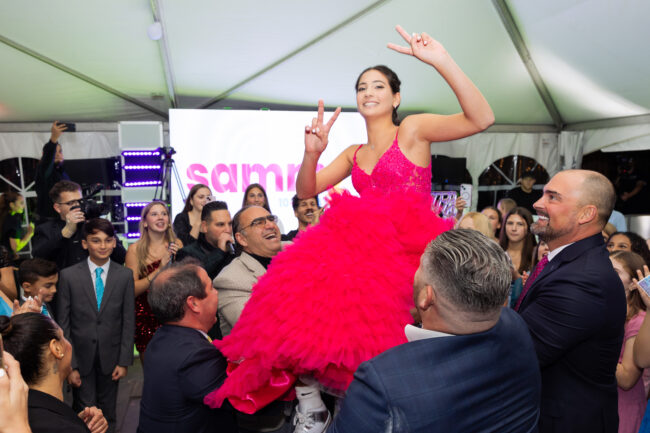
(106, 171)
(446, 170)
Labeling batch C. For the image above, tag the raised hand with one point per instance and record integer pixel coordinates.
(422, 46)
(56, 131)
(316, 135)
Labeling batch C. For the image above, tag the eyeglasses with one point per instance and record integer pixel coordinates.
(70, 203)
(261, 221)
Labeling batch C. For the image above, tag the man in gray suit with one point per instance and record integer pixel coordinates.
(258, 236)
(96, 311)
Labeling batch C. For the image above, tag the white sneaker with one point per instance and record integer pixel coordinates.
(315, 421)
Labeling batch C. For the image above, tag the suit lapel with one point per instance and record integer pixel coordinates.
(569, 254)
(252, 264)
(108, 286)
(87, 284)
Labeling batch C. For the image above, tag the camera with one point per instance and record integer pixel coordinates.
(90, 207)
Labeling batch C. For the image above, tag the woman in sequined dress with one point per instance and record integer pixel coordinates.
(146, 257)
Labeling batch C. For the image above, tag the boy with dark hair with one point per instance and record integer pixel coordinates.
(38, 277)
(96, 310)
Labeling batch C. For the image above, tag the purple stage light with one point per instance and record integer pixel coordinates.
(132, 235)
(143, 183)
(133, 218)
(136, 204)
(140, 153)
(141, 167)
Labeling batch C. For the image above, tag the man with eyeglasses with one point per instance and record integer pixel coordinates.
(59, 239)
(258, 238)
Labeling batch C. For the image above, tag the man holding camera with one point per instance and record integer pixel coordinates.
(59, 240)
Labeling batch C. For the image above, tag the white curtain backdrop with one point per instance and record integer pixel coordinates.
(570, 146)
(76, 145)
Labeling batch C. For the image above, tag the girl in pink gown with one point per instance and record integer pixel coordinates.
(342, 293)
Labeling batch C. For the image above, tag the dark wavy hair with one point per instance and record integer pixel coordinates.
(637, 245)
(191, 194)
(393, 82)
(529, 240)
(261, 188)
(26, 336)
(6, 198)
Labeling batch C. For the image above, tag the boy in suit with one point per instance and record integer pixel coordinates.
(96, 311)
(38, 277)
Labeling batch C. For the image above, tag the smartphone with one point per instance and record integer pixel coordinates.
(645, 284)
(466, 193)
(212, 198)
(70, 127)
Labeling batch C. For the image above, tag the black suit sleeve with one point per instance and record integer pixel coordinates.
(128, 322)
(564, 313)
(202, 372)
(47, 242)
(182, 228)
(63, 302)
(366, 407)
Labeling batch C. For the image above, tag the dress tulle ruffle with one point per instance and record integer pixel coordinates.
(340, 295)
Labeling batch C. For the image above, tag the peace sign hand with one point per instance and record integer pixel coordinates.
(422, 46)
(316, 135)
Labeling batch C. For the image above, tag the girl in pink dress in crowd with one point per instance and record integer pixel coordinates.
(342, 293)
(631, 392)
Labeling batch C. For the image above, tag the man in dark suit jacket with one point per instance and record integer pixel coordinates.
(96, 310)
(182, 366)
(575, 308)
(470, 368)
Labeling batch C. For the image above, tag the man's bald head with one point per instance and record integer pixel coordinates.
(593, 189)
(598, 191)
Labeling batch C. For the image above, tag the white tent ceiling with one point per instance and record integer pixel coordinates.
(543, 64)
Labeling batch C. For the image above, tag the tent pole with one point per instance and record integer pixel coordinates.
(518, 41)
(642, 119)
(298, 50)
(25, 50)
(157, 11)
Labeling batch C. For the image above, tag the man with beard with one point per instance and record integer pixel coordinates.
(574, 305)
(307, 211)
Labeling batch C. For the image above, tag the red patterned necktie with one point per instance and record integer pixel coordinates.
(531, 278)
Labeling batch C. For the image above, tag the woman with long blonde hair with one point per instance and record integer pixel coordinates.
(156, 247)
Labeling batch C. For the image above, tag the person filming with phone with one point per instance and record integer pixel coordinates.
(59, 239)
(49, 171)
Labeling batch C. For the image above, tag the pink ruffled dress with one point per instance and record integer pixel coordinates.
(340, 294)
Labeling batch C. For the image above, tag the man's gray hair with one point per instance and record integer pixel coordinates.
(468, 270)
(170, 289)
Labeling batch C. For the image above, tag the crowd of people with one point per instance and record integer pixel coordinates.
(373, 315)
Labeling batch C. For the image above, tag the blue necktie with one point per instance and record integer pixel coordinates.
(99, 286)
(44, 311)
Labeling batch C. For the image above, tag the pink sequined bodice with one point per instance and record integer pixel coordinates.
(393, 172)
